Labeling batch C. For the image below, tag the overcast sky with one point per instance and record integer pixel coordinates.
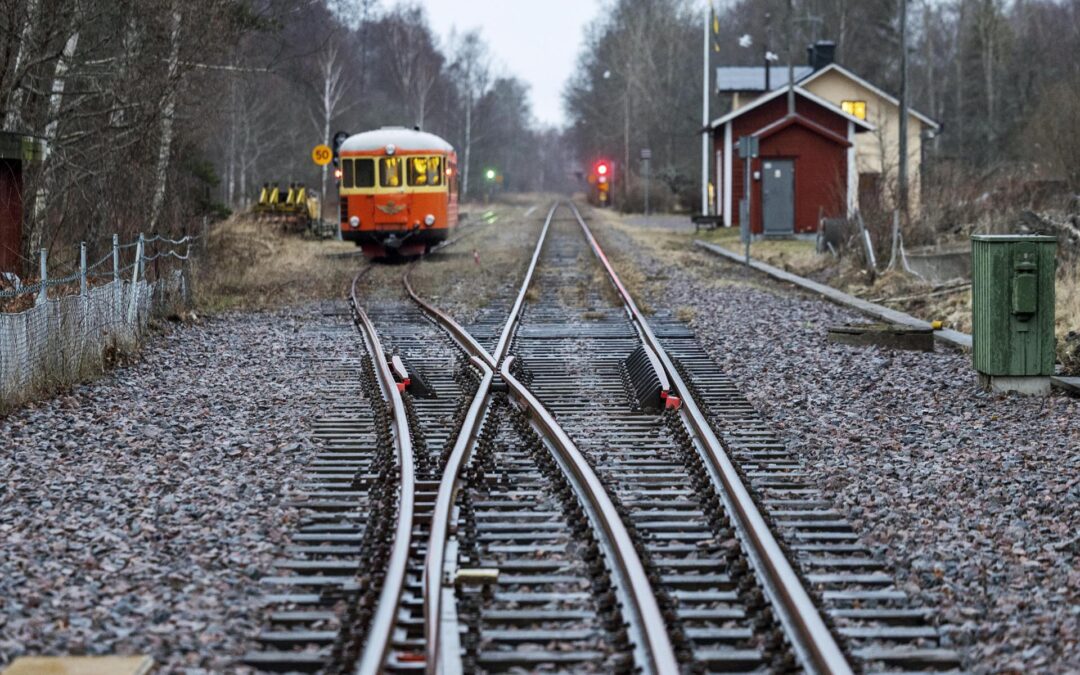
(535, 40)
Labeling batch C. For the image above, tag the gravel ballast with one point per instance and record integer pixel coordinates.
(138, 512)
(973, 498)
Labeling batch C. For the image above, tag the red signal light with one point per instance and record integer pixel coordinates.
(602, 168)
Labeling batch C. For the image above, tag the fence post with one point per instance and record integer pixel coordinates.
(135, 282)
(82, 268)
(43, 293)
(139, 258)
(118, 292)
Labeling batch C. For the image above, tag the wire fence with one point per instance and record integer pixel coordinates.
(65, 329)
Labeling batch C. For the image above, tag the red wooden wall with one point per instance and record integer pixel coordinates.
(11, 213)
(820, 162)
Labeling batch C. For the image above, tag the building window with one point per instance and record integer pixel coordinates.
(855, 108)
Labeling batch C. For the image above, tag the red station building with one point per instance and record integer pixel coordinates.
(805, 169)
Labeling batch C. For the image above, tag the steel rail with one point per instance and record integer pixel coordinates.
(380, 632)
(459, 456)
(647, 620)
(633, 581)
(812, 640)
(515, 312)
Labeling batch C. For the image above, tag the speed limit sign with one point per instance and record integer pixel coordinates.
(322, 154)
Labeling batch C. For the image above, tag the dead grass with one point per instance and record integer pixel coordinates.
(253, 265)
(951, 307)
(794, 255)
(503, 248)
(1068, 300)
(685, 313)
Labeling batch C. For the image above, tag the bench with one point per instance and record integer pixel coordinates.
(706, 222)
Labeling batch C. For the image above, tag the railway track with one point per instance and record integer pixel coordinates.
(583, 492)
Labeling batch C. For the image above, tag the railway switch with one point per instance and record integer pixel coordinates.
(1013, 311)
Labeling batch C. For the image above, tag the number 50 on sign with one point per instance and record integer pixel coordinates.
(322, 154)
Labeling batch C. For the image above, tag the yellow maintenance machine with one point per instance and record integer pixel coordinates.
(294, 208)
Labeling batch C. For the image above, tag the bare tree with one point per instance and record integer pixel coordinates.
(471, 67)
(332, 99)
(416, 64)
(167, 120)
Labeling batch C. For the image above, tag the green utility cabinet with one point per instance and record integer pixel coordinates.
(1012, 304)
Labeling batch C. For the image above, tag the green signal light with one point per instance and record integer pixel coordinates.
(490, 174)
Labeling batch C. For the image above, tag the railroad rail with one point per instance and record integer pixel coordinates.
(655, 651)
(591, 489)
(811, 638)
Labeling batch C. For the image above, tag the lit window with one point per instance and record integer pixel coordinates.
(390, 172)
(425, 171)
(855, 108)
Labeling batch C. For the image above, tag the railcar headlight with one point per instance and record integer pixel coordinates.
(429, 220)
(390, 149)
(354, 222)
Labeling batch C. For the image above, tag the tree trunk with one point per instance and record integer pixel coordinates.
(468, 145)
(234, 128)
(625, 172)
(52, 125)
(168, 117)
(13, 118)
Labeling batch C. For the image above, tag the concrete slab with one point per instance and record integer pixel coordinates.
(946, 335)
(1028, 386)
(80, 665)
(1069, 384)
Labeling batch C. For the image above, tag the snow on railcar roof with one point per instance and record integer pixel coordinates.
(400, 137)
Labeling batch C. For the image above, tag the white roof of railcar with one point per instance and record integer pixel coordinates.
(400, 137)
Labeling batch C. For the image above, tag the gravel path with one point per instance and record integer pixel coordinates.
(973, 498)
(138, 512)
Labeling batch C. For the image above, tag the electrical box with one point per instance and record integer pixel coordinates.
(1012, 304)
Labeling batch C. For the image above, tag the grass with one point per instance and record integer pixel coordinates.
(794, 255)
(951, 307)
(256, 265)
(484, 267)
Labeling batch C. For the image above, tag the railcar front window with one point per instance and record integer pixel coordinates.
(425, 171)
(346, 173)
(390, 172)
(364, 173)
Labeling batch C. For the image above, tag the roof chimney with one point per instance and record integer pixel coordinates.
(820, 54)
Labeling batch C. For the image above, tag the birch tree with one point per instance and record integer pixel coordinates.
(472, 69)
(332, 99)
(167, 120)
(413, 61)
(13, 117)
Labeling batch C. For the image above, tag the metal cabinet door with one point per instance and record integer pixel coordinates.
(778, 196)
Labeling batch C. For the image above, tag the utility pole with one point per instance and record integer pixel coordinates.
(765, 49)
(902, 172)
(706, 135)
(791, 57)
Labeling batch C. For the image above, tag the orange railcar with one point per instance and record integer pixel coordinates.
(398, 191)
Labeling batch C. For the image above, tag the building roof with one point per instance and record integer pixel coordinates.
(400, 137)
(860, 125)
(836, 67)
(752, 78)
(798, 120)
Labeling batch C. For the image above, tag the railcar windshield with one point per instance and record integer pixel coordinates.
(358, 173)
(390, 172)
(425, 171)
